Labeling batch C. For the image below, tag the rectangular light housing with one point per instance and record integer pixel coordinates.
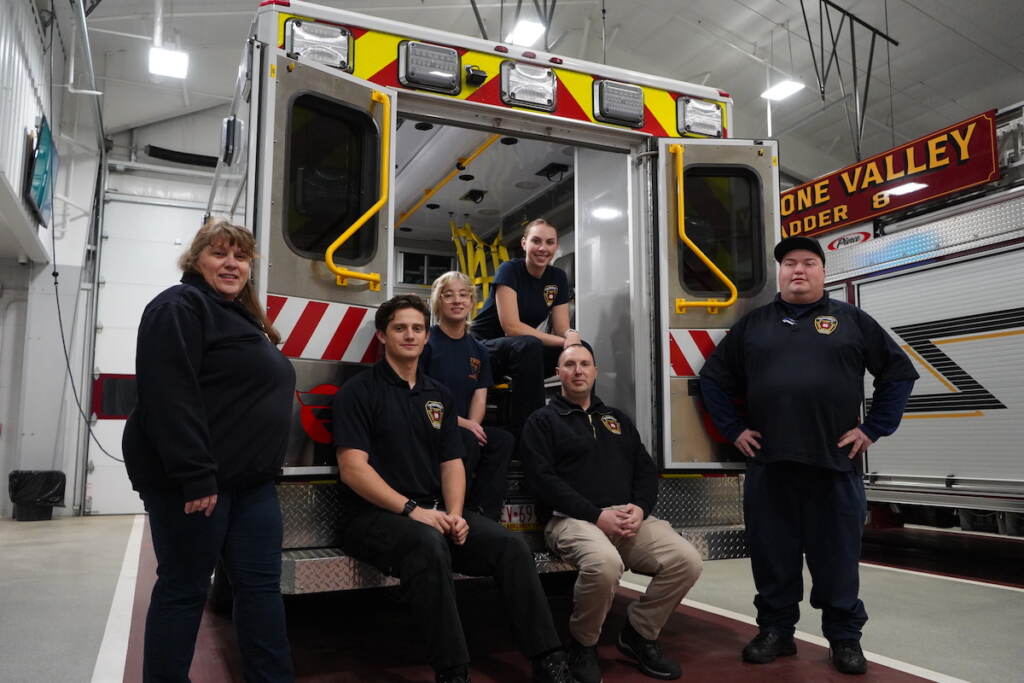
(309, 41)
(905, 188)
(620, 103)
(528, 86)
(171, 63)
(430, 67)
(782, 90)
(698, 116)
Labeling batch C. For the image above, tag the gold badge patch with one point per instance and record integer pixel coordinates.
(825, 324)
(474, 368)
(611, 424)
(435, 413)
(550, 292)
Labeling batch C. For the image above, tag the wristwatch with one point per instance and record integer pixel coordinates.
(571, 330)
(410, 505)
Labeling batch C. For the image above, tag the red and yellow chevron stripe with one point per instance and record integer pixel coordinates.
(376, 59)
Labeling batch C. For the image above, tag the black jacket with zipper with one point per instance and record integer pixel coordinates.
(580, 461)
(214, 396)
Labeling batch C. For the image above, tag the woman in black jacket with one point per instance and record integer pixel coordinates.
(202, 448)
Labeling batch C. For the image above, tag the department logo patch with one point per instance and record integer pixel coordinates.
(550, 292)
(435, 413)
(474, 368)
(825, 324)
(611, 424)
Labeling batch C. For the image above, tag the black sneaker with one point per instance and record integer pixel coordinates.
(766, 646)
(583, 663)
(847, 657)
(647, 654)
(459, 674)
(552, 668)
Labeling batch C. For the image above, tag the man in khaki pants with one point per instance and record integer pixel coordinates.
(586, 461)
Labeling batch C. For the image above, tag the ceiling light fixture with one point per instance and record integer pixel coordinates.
(525, 33)
(905, 188)
(782, 90)
(164, 62)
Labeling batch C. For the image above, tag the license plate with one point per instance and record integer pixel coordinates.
(520, 517)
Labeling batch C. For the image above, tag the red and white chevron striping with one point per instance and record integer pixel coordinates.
(688, 349)
(323, 331)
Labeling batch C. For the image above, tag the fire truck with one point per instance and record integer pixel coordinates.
(935, 252)
(357, 148)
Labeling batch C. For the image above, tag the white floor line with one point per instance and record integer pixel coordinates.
(114, 647)
(956, 579)
(811, 638)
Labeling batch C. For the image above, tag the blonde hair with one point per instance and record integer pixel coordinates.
(214, 231)
(538, 221)
(440, 283)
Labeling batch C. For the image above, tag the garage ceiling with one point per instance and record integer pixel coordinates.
(954, 59)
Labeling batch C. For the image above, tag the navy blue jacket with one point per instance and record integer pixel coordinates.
(799, 375)
(579, 461)
(214, 396)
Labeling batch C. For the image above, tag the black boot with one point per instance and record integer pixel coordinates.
(583, 663)
(552, 668)
(847, 657)
(458, 674)
(648, 655)
(766, 646)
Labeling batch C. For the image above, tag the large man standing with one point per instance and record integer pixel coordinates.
(400, 454)
(586, 461)
(798, 366)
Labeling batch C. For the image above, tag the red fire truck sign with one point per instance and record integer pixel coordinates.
(949, 160)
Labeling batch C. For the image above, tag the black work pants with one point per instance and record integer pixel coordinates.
(423, 560)
(794, 510)
(487, 470)
(527, 362)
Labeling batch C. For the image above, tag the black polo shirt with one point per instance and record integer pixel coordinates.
(535, 296)
(462, 365)
(407, 432)
(801, 376)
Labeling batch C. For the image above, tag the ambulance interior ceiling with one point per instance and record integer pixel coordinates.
(513, 180)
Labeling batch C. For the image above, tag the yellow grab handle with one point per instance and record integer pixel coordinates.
(343, 274)
(460, 165)
(682, 304)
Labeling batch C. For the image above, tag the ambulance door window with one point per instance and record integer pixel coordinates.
(723, 218)
(332, 179)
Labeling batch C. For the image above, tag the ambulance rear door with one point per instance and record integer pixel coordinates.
(718, 218)
(326, 182)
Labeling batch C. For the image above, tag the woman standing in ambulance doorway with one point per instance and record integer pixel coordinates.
(202, 448)
(455, 359)
(526, 293)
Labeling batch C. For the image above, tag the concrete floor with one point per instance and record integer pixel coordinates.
(58, 578)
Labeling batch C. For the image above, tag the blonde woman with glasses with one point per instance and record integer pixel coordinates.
(455, 359)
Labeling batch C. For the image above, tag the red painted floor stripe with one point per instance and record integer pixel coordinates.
(304, 329)
(343, 335)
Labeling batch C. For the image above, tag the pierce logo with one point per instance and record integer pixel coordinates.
(848, 240)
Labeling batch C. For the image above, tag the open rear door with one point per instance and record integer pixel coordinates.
(326, 191)
(718, 211)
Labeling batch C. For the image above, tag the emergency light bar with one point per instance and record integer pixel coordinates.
(619, 103)
(699, 116)
(321, 43)
(528, 86)
(430, 67)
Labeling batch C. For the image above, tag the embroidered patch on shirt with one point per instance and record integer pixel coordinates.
(550, 292)
(825, 324)
(611, 424)
(474, 368)
(435, 413)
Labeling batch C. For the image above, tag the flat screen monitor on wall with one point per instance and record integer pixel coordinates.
(41, 172)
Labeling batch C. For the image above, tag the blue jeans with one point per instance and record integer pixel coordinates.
(244, 529)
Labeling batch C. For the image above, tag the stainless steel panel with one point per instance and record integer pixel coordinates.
(690, 441)
(718, 543)
(296, 275)
(310, 513)
(696, 501)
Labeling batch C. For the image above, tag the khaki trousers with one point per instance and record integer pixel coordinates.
(657, 550)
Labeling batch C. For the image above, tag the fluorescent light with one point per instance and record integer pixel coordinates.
(525, 33)
(906, 188)
(164, 62)
(605, 213)
(782, 90)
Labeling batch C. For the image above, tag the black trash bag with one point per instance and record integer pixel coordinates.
(35, 492)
